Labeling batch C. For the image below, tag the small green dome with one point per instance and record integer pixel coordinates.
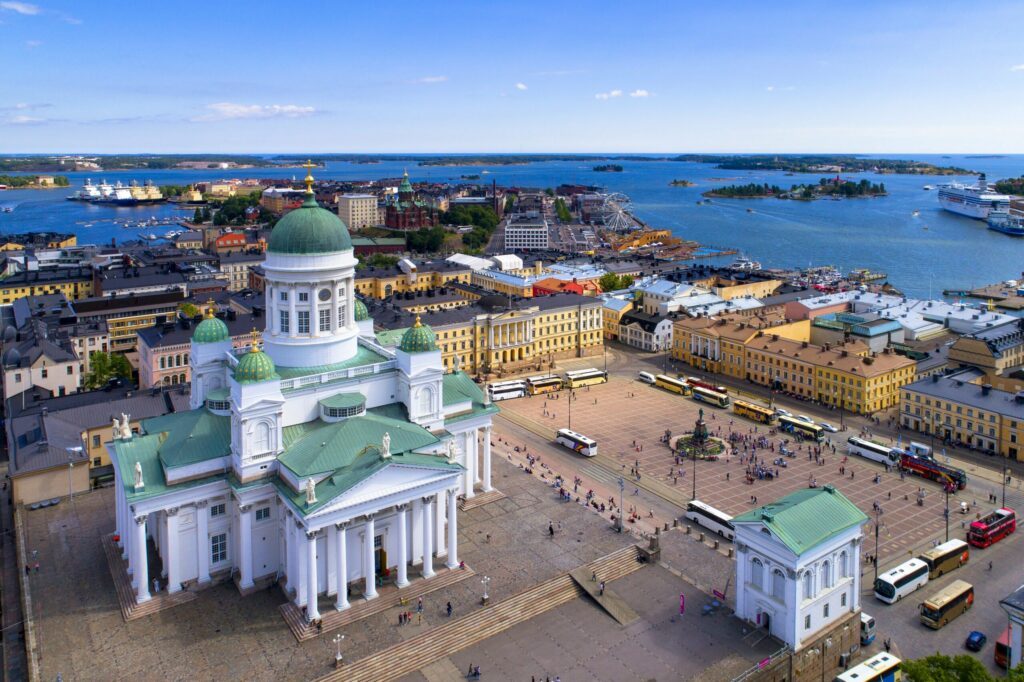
(308, 230)
(211, 330)
(418, 338)
(405, 186)
(255, 366)
(360, 311)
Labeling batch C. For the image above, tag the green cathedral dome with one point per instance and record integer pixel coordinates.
(405, 186)
(419, 338)
(255, 366)
(211, 330)
(360, 311)
(309, 229)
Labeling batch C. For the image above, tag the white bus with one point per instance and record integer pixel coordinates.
(892, 586)
(707, 516)
(576, 441)
(881, 667)
(585, 377)
(876, 452)
(503, 390)
(645, 377)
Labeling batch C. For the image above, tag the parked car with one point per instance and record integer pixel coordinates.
(805, 418)
(976, 641)
(784, 413)
(828, 427)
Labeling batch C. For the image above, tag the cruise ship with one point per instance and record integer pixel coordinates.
(89, 192)
(129, 195)
(975, 201)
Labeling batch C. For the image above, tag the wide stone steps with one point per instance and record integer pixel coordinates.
(481, 499)
(417, 652)
(130, 609)
(387, 597)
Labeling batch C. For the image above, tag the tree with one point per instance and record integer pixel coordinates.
(105, 366)
(189, 309)
(426, 240)
(562, 210)
(197, 217)
(943, 668)
(609, 281)
(625, 281)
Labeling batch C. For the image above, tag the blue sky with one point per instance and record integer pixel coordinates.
(511, 77)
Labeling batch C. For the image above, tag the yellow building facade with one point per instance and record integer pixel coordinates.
(377, 283)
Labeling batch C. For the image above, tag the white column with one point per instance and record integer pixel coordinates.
(369, 572)
(203, 541)
(129, 542)
(487, 460)
(141, 561)
(314, 312)
(453, 531)
(403, 551)
(428, 539)
(171, 552)
(293, 320)
(245, 544)
(417, 535)
(312, 612)
(119, 520)
(470, 461)
(301, 557)
(440, 544)
(335, 304)
(341, 571)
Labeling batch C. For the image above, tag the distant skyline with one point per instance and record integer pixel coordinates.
(464, 77)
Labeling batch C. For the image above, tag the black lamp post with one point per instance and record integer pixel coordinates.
(570, 409)
(1005, 470)
(946, 487)
(874, 560)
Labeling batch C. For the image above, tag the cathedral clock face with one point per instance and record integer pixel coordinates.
(324, 295)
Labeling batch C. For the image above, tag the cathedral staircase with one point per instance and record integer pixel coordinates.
(481, 499)
(435, 644)
(130, 609)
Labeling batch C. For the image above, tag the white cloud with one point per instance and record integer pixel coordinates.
(224, 111)
(1017, 67)
(640, 92)
(22, 120)
(33, 43)
(770, 88)
(432, 79)
(26, 106)
(20, 7)
(775, 88)
(520, 86)
(608, 95)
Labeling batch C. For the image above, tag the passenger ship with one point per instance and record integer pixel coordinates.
(972, 201)
(1007, 223)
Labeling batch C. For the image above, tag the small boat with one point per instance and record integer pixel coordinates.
(927, 187)
(916, 213)
(750, 210)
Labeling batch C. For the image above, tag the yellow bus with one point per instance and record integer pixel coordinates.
(947, 604)
(585, 377)
(752, 411)
(946, 557)
(544, 384)
(672, 384)
(705, 395)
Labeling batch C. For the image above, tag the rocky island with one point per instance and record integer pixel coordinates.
(835, 188)
(608, 168)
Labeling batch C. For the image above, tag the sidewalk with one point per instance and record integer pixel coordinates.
(13, 648)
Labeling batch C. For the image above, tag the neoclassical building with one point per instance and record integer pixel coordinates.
(314, 456)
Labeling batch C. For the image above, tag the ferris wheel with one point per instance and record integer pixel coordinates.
(615, 212)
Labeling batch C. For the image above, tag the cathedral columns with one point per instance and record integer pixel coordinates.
(453, 531)
(417, 526)
(293, 319)
(203, 541)
(487, 460)
(171, 552)
(428, 539)
(245, 544)
(403, 548)
(469, 445)
(369, 570)
(298, 534)
(312, 612)
(341, 567)
(141, 561)
(439, 514)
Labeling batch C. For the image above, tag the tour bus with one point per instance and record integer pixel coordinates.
(893, 585)
(946, 557)
(670, 384)
(752, 411)
(876, 452)
(707, 516)
(1002, 649)
(929, 468)
(695, 383)
(645, 377)
(867, 629)
(585, 377)
(503, 390)
(578, 442)
(544, 384)
(992, 527)
(806, 429)
(881, 667)
(947, 604)
(704, 395)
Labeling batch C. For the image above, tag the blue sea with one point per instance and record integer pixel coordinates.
(922, 254)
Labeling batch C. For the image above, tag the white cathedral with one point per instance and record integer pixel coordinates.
(322, 460)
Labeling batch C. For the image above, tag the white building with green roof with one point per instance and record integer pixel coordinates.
(315, 457)
(798, 563)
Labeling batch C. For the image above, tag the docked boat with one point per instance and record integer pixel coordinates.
(743, 263)
(973, 201)
(89, 192)
(928, 187)
(1007, 223)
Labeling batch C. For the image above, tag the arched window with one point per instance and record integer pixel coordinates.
(167, 381)
(184, 379)
(163, 362)
(778, 584)
(826, 575)
(261, 437)
(426, 401)
(808, 585)
(174, 379)
(757, 573)
(387, 290)
(843, 564)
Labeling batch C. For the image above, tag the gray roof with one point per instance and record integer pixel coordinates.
(243, 257)
(171, 334)
(47, 276)
(387, 315)
(134, 278)
(645, 321)
(957, 388)
(1015, 600)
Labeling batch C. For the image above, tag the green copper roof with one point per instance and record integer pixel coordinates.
(145, 450)
(418, 339)
(255, 367)
(190, 437)
(806, 518)
(457, 387)
(211, 330)
(344, 400)
(361, 313)
(390, 337)
(342, 445)
(308, 230)
(364, 356)
(405, 186)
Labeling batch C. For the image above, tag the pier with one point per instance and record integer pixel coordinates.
(999, 295)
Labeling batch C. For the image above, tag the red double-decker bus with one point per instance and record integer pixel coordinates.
(992, 528)
(695, 382)
(929, 468)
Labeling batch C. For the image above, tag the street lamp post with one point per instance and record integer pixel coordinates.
(570, 409)
(484, 581)
(622, 502)
(337, 656)
(1006, 472)
(874, 560)
(946, 487)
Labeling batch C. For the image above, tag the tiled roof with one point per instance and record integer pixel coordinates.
(806, 518)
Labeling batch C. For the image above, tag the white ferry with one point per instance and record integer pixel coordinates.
(975, 201)
(743, 263)
(1007, 223)
(89, 192)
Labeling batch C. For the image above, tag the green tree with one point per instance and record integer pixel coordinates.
(550, 192)
(426, 240)
(197, 217)
(105, 366)
(625, 281)
(189, 309)
(609, 281)
(562, 210)
(960, 668)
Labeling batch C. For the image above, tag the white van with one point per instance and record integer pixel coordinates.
(646, 377)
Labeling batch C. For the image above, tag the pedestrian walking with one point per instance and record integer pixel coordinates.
(551, 530)
(448, 608)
